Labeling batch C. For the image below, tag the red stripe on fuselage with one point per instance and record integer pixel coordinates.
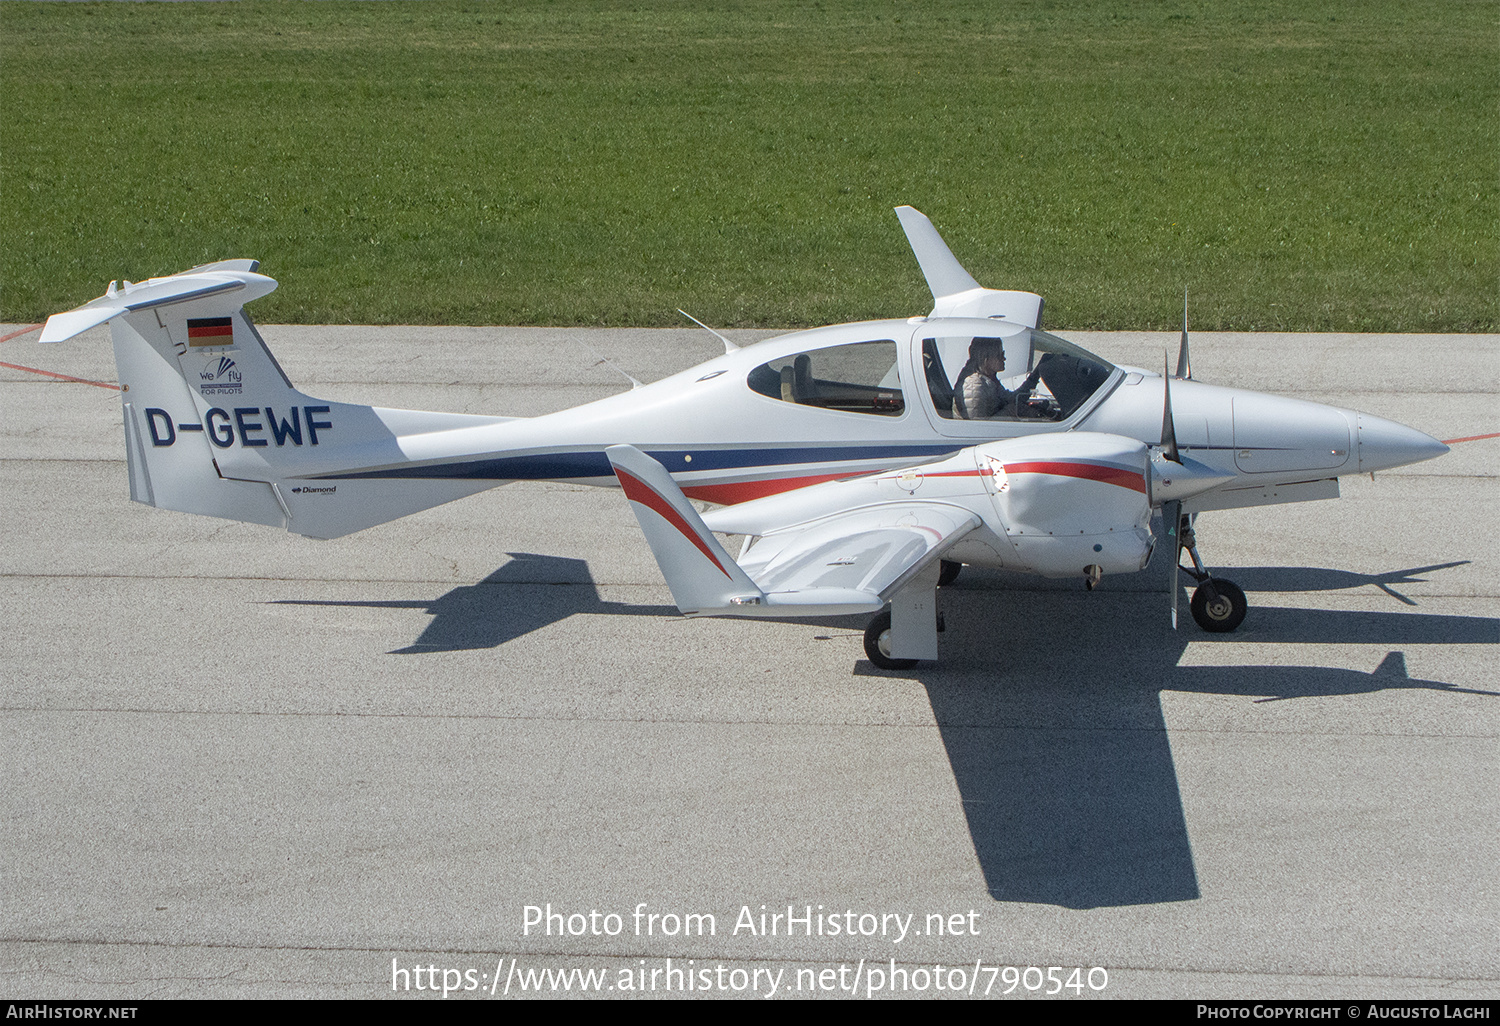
(638, 491)
(977, 472)
(732, 493)
(1087, 471)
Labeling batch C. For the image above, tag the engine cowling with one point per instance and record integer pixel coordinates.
(1071, 504)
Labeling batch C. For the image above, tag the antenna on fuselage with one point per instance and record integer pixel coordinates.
(634, 383)
(1184, 365)
(729, 347)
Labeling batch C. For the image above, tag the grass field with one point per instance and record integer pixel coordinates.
(1297, 165)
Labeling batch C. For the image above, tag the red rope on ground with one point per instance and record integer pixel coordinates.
(61, 377)
(18, 334)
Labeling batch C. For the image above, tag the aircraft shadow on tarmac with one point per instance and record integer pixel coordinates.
(494, 611)
(1054, 728)
(1048, 704)
(1305, 578)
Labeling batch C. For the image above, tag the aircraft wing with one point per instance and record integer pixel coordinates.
(850, 561)
(873, 550)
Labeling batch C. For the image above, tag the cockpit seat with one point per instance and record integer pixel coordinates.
(802, 379)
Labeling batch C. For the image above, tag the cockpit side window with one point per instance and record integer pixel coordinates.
(1026, 376)
(857, 378)
(974, 377)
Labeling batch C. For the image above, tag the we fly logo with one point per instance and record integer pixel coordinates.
(226, 366)
(220, 378)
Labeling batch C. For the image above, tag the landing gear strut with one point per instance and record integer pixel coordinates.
(878, 644)
(1218, 605)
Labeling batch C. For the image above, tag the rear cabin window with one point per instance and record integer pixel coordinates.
(858, 378)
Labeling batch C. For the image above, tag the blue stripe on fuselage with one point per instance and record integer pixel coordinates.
(570, 465)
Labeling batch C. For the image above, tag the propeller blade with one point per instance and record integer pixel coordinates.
(1184, 365)
(1176, 589)
(1172, 513)
(1168, 429)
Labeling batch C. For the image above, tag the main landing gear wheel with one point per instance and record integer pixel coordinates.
(1219, 606)
(878, 644)
(949, 572)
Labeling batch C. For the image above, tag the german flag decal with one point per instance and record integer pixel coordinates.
(210, 331)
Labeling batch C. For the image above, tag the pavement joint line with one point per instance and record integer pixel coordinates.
(681, 617)
(448, 581)
(926, 725)
(524, 953)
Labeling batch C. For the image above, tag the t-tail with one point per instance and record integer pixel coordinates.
(213, 425)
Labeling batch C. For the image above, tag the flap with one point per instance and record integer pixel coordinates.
(872, 550)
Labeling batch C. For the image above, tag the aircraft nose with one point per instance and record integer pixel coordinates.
(1384, 444)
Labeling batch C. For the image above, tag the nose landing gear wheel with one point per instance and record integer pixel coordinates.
(1219, 606)
(878, 644)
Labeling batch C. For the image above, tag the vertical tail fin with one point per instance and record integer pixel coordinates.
(213, 425)
(701, 575)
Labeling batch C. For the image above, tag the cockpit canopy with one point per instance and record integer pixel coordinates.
(1046, 377)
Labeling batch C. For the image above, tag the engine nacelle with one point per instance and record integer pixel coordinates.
(1072, 504)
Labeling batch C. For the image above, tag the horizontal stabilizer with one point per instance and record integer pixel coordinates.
(156, 292)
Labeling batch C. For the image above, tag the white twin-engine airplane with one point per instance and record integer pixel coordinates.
(863, 463)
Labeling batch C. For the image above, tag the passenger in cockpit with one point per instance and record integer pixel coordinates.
(979, 394)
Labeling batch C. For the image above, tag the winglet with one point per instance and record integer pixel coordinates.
(955, 293)
(945, 275)
(702, 576)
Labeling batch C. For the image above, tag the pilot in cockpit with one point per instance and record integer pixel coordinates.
(978, 395)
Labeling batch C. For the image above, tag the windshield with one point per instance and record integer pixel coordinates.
(1071, 373)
